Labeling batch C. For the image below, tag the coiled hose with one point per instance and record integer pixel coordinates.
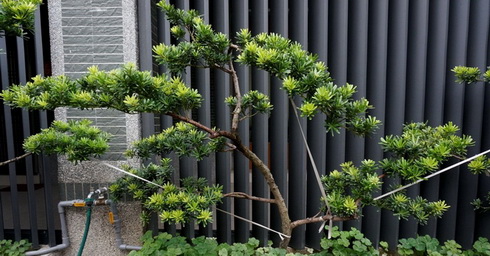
(89, 202)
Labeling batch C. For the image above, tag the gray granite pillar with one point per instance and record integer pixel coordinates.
(103, 33)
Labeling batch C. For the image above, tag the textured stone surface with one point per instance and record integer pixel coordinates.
(101, 236)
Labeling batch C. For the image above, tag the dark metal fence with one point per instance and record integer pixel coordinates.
(398, 53)
(27, 197)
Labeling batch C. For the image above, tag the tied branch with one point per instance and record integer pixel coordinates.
(249, 197)
(15, 159)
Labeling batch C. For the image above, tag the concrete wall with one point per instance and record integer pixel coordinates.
(82, 34)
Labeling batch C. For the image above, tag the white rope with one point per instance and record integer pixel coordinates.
(281, 235)
(130, 174)
(432, 175)
(315, 169)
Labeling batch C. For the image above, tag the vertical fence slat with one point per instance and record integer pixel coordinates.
(278, 124)
(395, 99)
(435, 87)
(472, 119)
(356, 74)
(219, 18)
(14, 194)
(239, 19)
(260, 135)
(415, 89)
(298, 25)
(317, 43)
(26, 125)
(206, 167)
(376, 92)
(453, 110)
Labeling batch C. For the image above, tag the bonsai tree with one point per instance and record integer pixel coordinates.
(418, 151)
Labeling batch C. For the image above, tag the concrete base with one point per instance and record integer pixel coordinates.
(101, 235)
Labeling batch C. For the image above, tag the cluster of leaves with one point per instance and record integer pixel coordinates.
(17, 16)
(470, 74)
(166, 244)
(421, 149)
(181, 205)
(175, 205)
(418, 151)
(125, 89)
(203, 48)
(348, 188)
(17, 248)
(350, 242)
(426, 245)
(303, 75)
(418, 207)
(252, 102)
(482, 204)
(184, 139)
(76, 139)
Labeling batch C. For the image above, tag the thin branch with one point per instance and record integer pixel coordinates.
(16, 159)
(323, 218)
(238, 96)
(249, 197)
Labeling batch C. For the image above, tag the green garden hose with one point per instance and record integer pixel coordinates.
(89, 202)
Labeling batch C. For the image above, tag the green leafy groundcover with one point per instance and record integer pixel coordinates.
(10, 248)
(341, 243)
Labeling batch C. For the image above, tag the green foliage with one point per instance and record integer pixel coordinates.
(470, 74)
(304, 76)
(421, 149)
(418, 151)
(125, 89)
(184, 139)
(75, 139)
(480, 165)
(206, 48)
(174, 204)
(17, 248)
(482, 205)
(350, 242)
(253, 102)
(17, 16)
(418, 246)
(167, 245)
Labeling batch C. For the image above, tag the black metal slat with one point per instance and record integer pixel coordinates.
(317, 44)
(239, 19)
(26, 126)
(260, 136)
(337, 63)
(146, 63)
(453, 110)
(415, 90)
(395, 96)
(221, 86)
(14, 194)
(356, 74)
(434, 95)
(278, 125)
(472, 119)
(207, 166)
(298, 29)
(376, 91)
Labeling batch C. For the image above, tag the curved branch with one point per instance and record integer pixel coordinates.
(249, 197)
(16, 159)
(321, 219)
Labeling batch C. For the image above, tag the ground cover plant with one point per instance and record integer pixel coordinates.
(420, 150)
